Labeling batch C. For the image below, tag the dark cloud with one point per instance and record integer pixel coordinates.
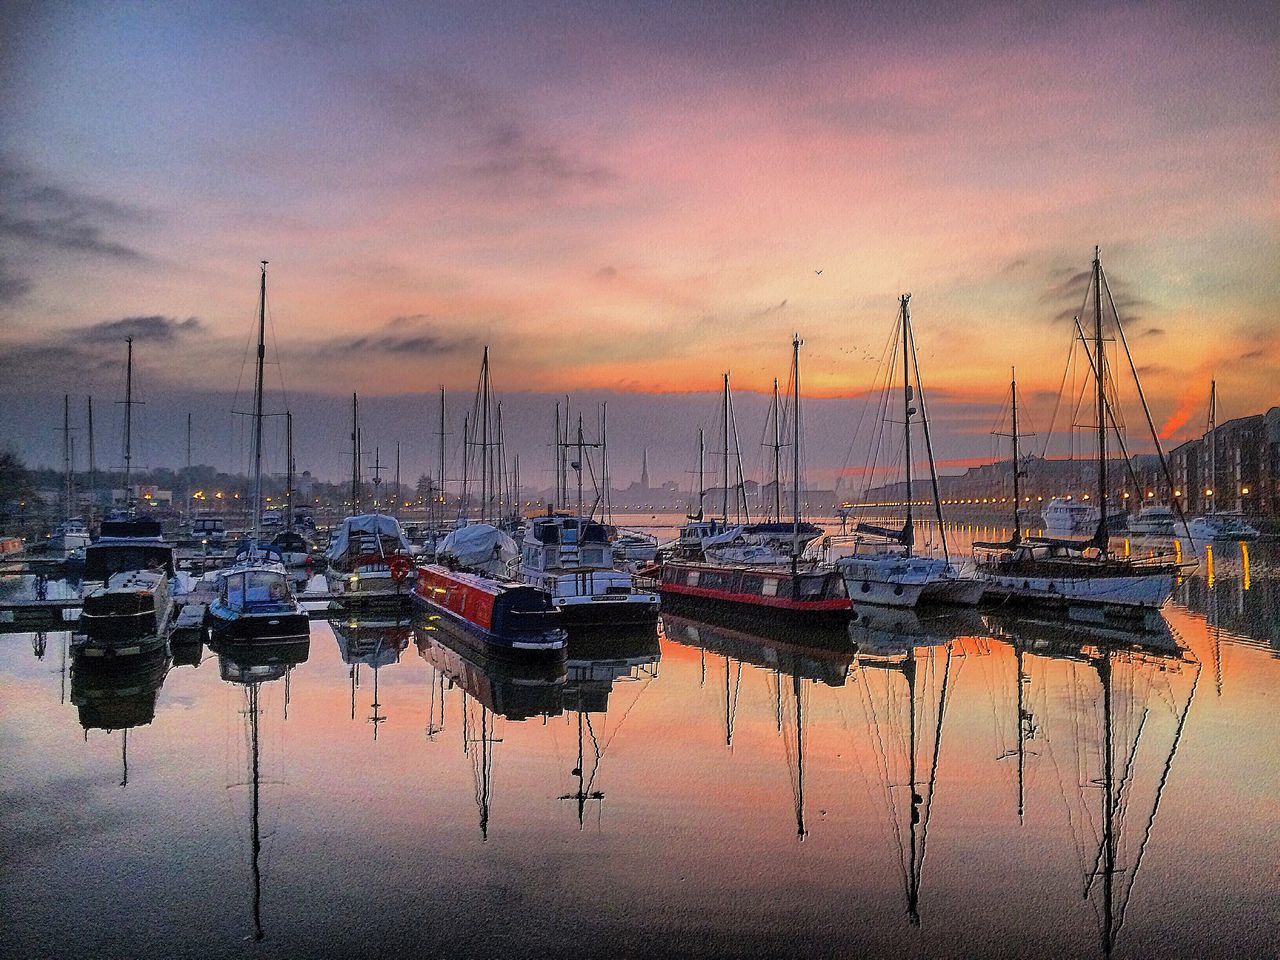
(153, 329)
(499, 140)
(415, 334)
(1072, 293)
(1153, 332)
(606, 273)
(36, 213)
(1253, 355)
(13, 285)
(73, 356)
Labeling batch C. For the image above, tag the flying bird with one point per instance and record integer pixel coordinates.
(818, 272)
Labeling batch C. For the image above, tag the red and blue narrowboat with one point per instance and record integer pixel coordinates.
(797, 596)
(504, 614)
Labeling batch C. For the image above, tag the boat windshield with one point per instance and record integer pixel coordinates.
(255, 589)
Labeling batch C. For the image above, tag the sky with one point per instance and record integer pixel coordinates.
(631, 199)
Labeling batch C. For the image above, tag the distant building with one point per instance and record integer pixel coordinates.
(1247, 473)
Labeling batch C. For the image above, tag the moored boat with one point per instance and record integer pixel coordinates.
(127, 591)
(501, 613)
(570, 558)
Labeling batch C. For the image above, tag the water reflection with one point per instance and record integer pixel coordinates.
(250, 666)
(949, 775)
(118, 695)
(374, 644)
(1111, 711)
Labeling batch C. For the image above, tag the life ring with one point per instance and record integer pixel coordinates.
(401, 567)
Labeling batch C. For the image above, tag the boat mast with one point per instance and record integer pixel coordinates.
(578, 465)
(484, 436)
(777, 456)
(355, 455)
(441, 477)
(795, 455)
(724, 500)
(464, 502)
(187, 485)
(128, 423)
(1101, 378)
(68, 489)
(1017, 491)
(908, 530)
(702, 490)
(93, 465)
(257, 405)
(396, 510)
(556, 465)
(607, 504)
(1213, 446)
(288, 483)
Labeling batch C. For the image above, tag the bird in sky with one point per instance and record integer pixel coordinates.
(818, 272)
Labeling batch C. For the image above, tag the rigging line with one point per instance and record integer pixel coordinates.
(1155, 437)
(857, 431)
(1155, 808)
(1057, 405)
(928, 442)
(1111, 412)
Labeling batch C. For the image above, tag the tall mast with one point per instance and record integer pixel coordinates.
(1101, 379)
(607, 501)
(908, 528)
(581, 446)
(556, 465)
(396, 510)
(484, 436)
(724, 500)
(257, 404)
(1017, 468)
(93, 463)
(288, 482)
(702, 449)
(795, 452)
(67, 492)
(187, 485)
(1213, 445)
(464, 502)
(128, 423)
(355, 455)
(777, 456)
(440, 479)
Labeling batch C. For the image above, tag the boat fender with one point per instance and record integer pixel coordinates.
(400, 567)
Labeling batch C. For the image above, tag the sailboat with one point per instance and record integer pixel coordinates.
(127, 588)
(291, 542)
(254, 600)
(468, 585)
(801, 591)
(368, 555)
(884, 567)
(72, 534)
(1215, 524)
(571, 558)
(1083, 577)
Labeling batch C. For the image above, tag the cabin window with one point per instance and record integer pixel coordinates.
(811, 586)
(233, 591)
(770, 587)
(693, 577)
(752, 585)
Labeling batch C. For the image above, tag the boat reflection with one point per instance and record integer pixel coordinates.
(598, 662)
(1110, 709)
(495, 689)
(792, 656)
(907, 663)
(374, 644)
(251, 666)
(118, 695)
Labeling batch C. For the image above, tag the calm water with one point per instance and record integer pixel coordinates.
(951, 786)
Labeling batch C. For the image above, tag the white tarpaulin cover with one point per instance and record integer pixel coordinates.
(478, 545)
(368, 524)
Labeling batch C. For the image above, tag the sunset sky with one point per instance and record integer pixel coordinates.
(634, 198)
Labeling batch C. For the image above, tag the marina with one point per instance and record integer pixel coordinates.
(935, 774)
(710, 480)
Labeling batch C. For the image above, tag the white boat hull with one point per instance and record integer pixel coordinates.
(1149, 591)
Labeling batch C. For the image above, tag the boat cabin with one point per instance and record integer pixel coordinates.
(255, 591)
(566, 543)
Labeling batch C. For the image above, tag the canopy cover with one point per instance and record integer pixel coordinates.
(478, 545)
(368, 525)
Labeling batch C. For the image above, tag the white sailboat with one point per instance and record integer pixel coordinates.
(884, 568)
